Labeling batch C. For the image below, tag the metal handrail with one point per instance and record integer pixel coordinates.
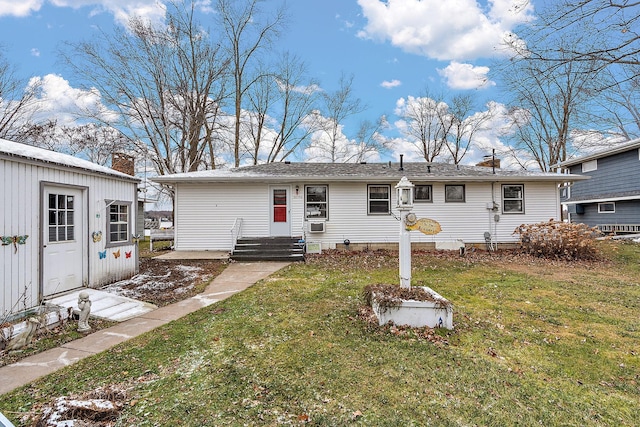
(236, 233)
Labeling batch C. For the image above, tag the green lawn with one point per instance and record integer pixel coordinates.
(535, 343)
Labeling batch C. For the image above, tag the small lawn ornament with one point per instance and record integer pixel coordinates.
(83, 311)
(25, 337)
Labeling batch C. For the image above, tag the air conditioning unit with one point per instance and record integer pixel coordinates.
(316, 227)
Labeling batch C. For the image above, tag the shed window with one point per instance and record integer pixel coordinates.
(608, 207)
(454, 193)
(379, 199)
(316, 201)
(513, 199)
(118, 222)
(422, 193)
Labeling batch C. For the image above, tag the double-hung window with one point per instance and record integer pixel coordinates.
(513, 199)
(316, 202)
(118, 223)
(378, 199)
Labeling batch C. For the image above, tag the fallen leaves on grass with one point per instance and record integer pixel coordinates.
(437, 336)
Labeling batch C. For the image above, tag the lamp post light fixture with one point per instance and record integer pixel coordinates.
(404, 193)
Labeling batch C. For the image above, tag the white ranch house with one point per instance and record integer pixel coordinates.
(333, 203)
(65, 223)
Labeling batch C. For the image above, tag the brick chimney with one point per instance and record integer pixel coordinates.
(123, 163)
(489, 162)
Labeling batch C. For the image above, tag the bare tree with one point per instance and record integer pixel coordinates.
(616, 111)
(610, 32)
(246, 36)
(281, 101)
(598, 37)
(547, 105)
(461, 126)
(94, 141)
(425, 126)
(165, 85)
(18, 103)
(329, 143)
(369, 140)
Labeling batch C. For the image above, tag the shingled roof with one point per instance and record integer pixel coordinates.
(364, 172)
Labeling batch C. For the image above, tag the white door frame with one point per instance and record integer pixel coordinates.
(280, 228)
(80, 257)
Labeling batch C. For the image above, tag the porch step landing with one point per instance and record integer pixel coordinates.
(268, 249)
(104, 305)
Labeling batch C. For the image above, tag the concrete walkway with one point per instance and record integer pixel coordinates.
(235, 278)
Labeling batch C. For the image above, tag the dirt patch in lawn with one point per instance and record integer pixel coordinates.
(163, 282)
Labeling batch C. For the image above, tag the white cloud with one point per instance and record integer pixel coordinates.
(35, 52)
(122, 10)
(19, 8)
(57, 100)
(466, 76)
(443, 30)
(390, 84)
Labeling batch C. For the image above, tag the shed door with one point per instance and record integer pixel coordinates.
(63, 259)
(280, 221)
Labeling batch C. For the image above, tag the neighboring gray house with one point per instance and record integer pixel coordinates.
(332, 203)
(610, 200)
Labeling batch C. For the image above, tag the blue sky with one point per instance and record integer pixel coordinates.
(393, 48)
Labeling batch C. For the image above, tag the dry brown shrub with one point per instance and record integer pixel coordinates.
(559, 240)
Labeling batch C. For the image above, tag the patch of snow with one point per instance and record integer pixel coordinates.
(36, 153)
(53, 416)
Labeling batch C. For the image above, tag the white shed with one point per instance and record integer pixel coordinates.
(65, 223)
(333, 203)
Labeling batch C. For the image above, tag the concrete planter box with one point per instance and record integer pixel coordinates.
(417, 314)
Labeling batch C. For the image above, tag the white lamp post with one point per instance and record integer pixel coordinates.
(404, 193)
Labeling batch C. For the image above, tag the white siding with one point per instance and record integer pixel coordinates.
(205, 214)
(21, 214)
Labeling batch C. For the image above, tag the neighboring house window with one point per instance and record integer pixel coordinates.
(379, 199)
(454, 193)
(512, 198)
(118, 222)
(564, 192)
(422, 193)
(609, 207)
(316, 201)
(589, 166)
(61, 214)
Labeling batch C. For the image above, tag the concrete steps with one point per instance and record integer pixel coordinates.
(268, 249)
